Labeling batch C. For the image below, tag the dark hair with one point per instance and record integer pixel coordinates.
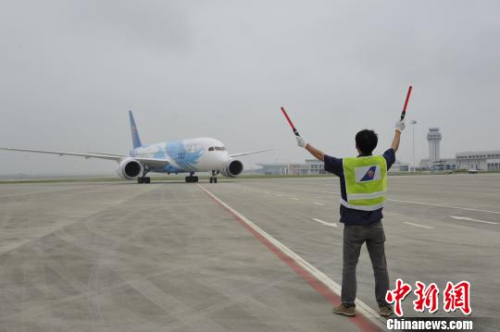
(366, 141)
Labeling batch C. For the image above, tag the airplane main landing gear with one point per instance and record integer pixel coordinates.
(144, 179)
(213, 178)
(191, 178)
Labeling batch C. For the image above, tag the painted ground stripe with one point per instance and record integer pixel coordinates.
(417, 225)
(443, 206)
(319, 204)
(295, 198)
(325, 223)
(369, 320)
(476, 220)
(390, 200)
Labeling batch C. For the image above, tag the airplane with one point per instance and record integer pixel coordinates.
(182, 156)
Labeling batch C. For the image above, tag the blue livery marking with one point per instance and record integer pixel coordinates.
(185, 158)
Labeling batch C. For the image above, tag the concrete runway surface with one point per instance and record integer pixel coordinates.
(240, 255)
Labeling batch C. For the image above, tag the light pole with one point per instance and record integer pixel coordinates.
(413, 122)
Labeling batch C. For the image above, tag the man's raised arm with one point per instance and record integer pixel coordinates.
(318, 154)
(400, 126)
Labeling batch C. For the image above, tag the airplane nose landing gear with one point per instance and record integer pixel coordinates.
(213, 178)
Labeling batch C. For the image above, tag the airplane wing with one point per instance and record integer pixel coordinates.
(248, 153)
(74, 154)
(154, 162)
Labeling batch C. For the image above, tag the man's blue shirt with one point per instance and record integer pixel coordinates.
(351, 216)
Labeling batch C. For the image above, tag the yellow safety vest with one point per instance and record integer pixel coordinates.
(365, 182)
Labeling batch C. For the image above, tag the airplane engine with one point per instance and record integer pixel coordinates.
(129, 168)
(233, 169)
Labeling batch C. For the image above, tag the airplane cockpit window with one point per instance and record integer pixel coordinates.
(217, 148)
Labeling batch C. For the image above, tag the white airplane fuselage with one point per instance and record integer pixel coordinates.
(187, 155)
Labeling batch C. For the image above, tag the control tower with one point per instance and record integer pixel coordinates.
(434, 137)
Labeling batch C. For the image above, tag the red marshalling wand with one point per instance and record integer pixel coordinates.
(403, 114)
(290, 122)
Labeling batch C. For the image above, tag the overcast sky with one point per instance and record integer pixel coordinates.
(70, 70)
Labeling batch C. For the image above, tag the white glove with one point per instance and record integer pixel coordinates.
(400, 126)
(301, 141)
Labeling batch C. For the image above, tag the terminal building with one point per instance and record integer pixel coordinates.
(310, 167)
(479, 160)
(313, 167)
(476, 160)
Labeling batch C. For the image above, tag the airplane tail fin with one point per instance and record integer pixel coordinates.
(136, 140)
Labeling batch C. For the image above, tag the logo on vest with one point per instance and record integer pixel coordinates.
(370, 174)
(367, 173)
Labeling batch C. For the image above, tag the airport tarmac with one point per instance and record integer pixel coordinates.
(241, 255)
